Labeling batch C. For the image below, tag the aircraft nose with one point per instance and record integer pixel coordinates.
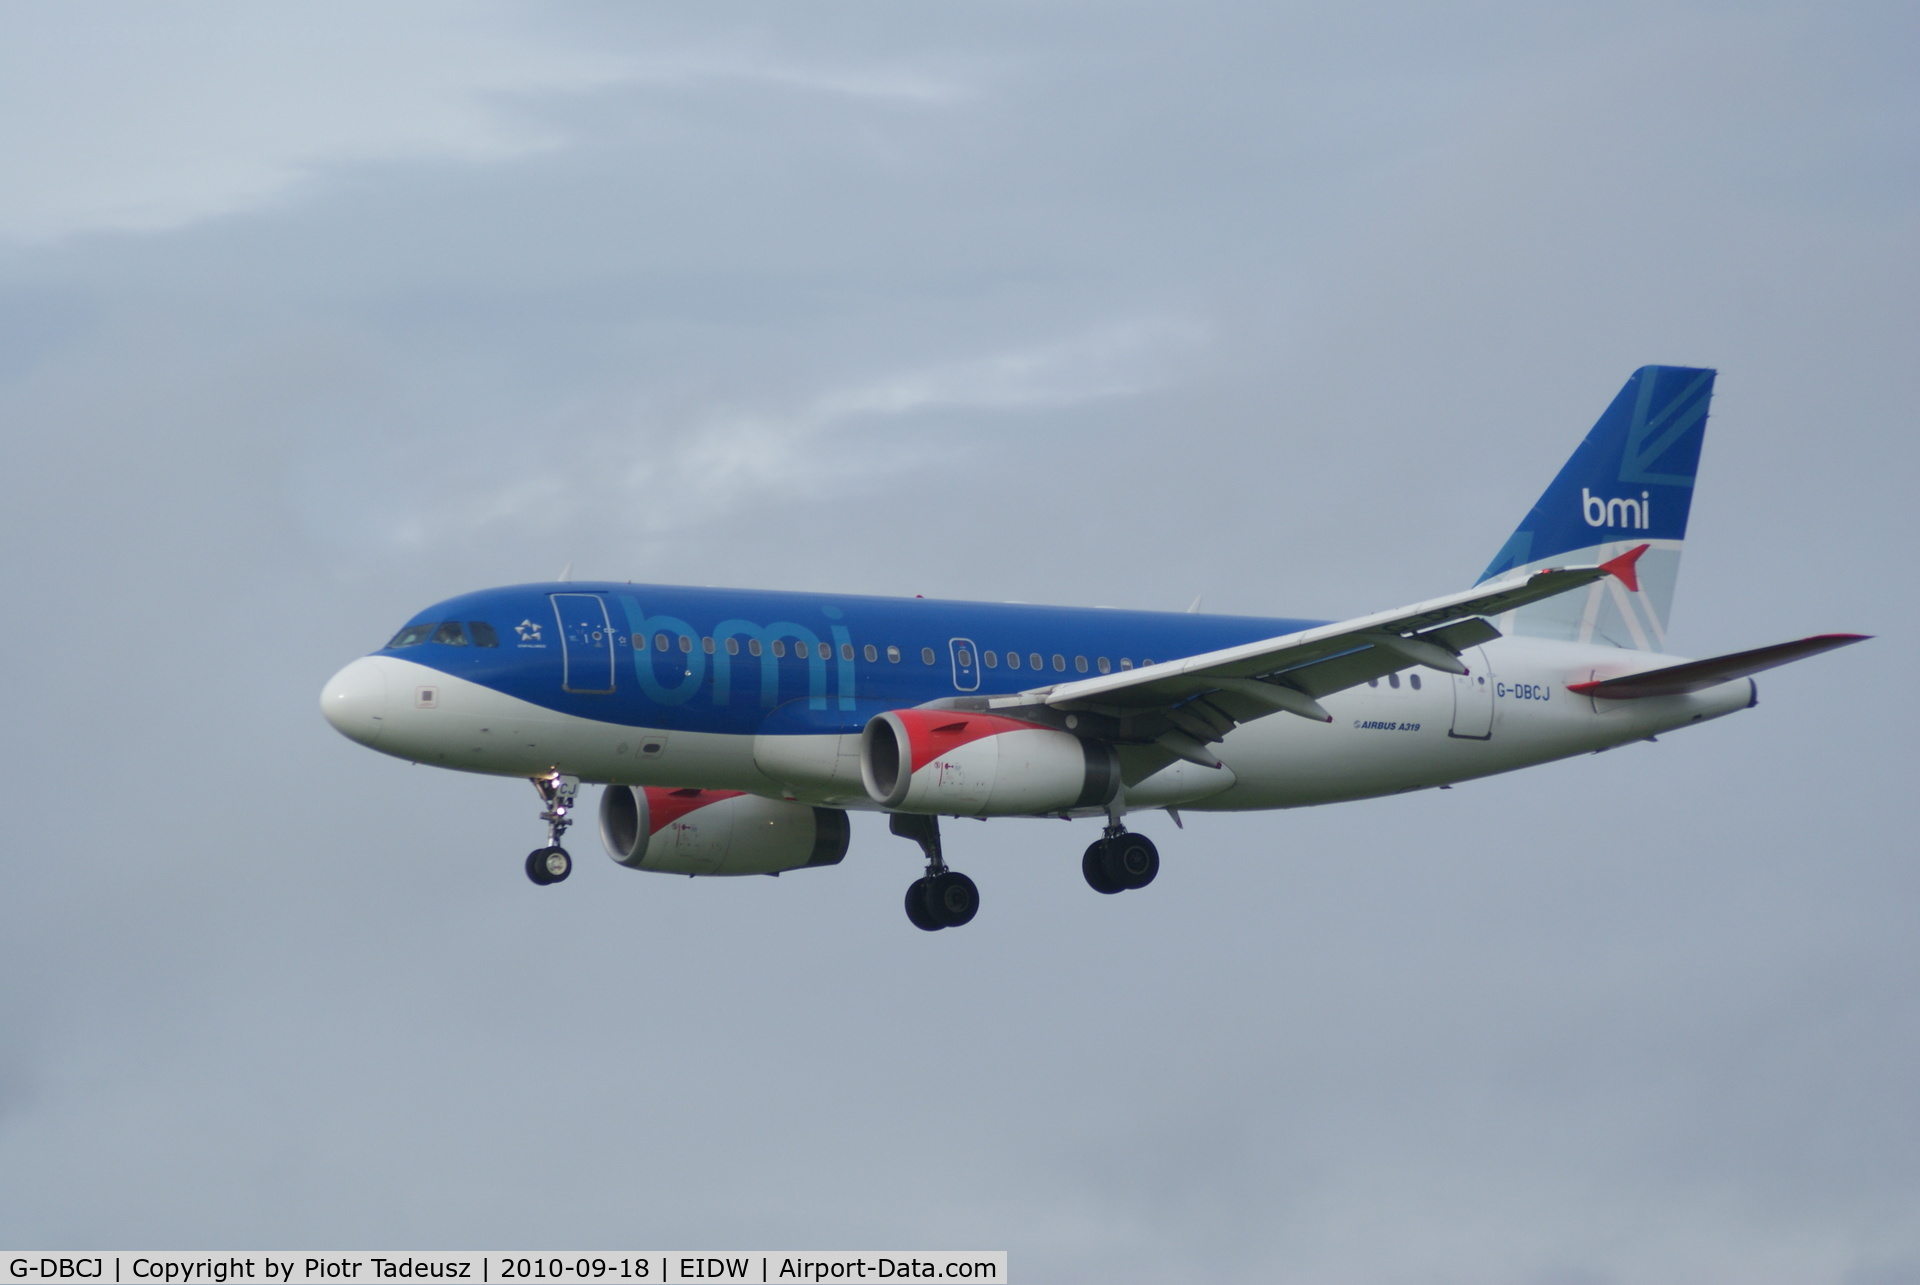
(355, 700)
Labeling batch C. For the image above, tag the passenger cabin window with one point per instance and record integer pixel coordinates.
(660, 642)
(872, 653)
(965, 658)
(450, 633)
(483, 634)
(846, 651)
(1080, 663)
(1106, 666)
(686, 643)
(1013, 660)
(992, 661)
(1125, 664)
(893, 654)
(926, 655)
(706, 645)
(1413, 681)
(733, 647)
(1393, 680)
(1034, 661)
(779, 647)
(411, 636)
(1060, 663)
(800, 649)
(753, 647)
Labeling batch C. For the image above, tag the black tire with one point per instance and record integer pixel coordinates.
(953, 899)
(1131, 861)
(1093, 867)
(919, 911)
(548, 865)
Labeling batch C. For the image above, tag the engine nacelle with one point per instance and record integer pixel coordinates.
(717, 832)
(960, 764)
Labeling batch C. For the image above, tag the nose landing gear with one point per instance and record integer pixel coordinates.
(1120, 861)
(551, 864)
(941, 898)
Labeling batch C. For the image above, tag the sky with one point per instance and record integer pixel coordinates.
(312, 316)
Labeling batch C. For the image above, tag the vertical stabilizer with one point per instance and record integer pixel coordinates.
(1629, 483)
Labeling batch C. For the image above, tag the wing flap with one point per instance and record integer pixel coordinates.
(1698, 675)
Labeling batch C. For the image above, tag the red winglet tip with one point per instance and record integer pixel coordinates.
(1621, 568)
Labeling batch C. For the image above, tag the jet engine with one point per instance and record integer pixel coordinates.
(717, 832)
(960, 764)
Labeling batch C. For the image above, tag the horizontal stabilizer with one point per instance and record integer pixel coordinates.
(1697, 675)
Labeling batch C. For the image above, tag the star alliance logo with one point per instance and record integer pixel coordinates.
(528, 631)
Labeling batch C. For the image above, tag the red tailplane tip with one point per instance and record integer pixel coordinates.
(1621, 568)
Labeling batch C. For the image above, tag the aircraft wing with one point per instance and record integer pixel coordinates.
(1182, 705)
(1697, 675)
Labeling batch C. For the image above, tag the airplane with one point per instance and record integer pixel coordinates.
(734, 730)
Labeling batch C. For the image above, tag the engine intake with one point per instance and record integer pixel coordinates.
(717, 832)
(957, 764)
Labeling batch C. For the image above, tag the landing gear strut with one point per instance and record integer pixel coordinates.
(941, 898)
(1120, 860)
(551, 864)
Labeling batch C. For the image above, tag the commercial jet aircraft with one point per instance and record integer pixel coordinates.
(734, 729)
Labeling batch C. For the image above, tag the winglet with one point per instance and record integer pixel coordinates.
(1621, 567)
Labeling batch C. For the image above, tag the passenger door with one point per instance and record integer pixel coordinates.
(1473, 698)
(586, 642)
(966, 664)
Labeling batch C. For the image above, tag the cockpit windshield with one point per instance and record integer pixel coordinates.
(447, 633)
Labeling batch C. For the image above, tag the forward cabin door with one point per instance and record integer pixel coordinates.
(1473, 698)
(586, 642)
(966, 664)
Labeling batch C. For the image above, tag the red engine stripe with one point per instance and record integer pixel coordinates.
(664, 806)
(932, 732)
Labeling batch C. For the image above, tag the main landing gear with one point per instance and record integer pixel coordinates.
(551, 864)
(941, 898)
(1120, 860)
(1117, 861)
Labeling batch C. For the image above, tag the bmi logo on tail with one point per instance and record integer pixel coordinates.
(1602, 512)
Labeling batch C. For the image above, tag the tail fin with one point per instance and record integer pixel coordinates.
(1630, 482)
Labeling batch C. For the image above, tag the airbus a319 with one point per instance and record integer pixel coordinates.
(735, 729)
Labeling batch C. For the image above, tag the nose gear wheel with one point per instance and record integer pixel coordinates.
(551, 864)
(548, 865)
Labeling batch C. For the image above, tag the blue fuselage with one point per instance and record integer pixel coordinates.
(760, 662)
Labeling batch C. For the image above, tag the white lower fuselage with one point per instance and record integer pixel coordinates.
(1512, 710)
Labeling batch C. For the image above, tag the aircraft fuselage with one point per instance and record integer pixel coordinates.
(683, 688)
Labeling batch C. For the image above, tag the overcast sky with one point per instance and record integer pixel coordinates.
(313, 315)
